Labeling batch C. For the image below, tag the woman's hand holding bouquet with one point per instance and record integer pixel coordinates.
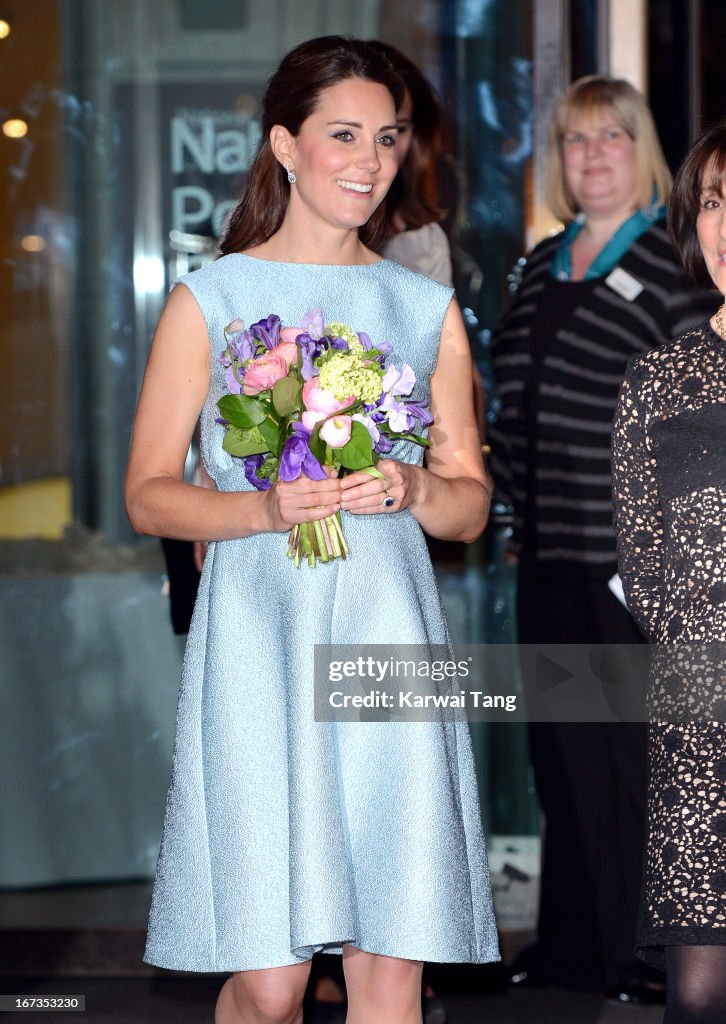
(316, 402)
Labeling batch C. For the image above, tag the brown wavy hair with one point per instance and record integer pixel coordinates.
(704, 165)
(413, 196)
(291, 97)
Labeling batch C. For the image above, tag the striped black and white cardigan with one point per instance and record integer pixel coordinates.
(579, 381)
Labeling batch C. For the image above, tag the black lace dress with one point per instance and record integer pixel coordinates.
(669, 480)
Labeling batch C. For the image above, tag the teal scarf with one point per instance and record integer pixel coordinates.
(611, 254)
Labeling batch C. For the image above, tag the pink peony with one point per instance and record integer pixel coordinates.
(287, 349)
(262, 373)
(319, 399)
(336, 431)
(311, 419)
(288, 334)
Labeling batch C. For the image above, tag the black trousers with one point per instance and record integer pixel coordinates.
(591, 781)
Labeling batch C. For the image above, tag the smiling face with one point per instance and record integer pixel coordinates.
(344, 156)
(600, 163)
(711, 227)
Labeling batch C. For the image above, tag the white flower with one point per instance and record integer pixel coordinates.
(399, 382)
(336, 431)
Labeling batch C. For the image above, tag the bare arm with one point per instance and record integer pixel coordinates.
(450, 497)
(158, 500)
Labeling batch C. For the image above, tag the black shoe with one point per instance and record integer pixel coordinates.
(637, 993)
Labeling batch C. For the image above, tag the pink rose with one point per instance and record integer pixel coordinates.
(319, 399)
(262, 373)
(287, 349)
(336, 431)
(290, 333)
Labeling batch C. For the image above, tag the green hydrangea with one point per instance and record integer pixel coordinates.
(345, 373)
(340, 330)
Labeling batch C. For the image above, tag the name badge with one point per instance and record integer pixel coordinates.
(624, 284)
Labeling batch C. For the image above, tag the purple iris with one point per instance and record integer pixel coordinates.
(418, 412)
(383, 445)
(240, 346)
(234, 377)
(385, 350)
(339, 344)
(252, 465)
(267, 331)
(243, 347)
(310, 348)
(297, 458)
(365, 341)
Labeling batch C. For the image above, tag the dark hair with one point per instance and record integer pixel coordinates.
(707, 156)
(291, 97)
(414, 193)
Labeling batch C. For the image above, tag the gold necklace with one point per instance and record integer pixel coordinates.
(719, 318)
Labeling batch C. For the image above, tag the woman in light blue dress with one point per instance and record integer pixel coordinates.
(285, 836)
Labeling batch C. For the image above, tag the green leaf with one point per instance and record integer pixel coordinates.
(242, 410)
(372, 471)
(416, 438)
(286, 394)
(358, 452)
(268, 468)
(316, 445)
(244, 442)
(271, 430)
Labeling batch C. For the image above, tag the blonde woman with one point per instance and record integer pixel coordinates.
(608, 287)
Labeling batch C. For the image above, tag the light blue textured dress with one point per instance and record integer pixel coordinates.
(284, 836)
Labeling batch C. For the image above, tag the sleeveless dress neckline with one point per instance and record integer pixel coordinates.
(317, 266)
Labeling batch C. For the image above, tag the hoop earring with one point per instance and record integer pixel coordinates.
(291, 176)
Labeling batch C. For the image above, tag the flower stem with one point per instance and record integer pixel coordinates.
(321, 539)
(337, 527)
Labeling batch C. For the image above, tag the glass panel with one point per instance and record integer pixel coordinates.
(129, 129)
(711, 30)
(668, 47)
(37, 239)
(583, 38)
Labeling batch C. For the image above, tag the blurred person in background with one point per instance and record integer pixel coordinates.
(669, 477)
(609, 286)
(414, 236)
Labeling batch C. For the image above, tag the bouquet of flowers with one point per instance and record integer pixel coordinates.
(301, 398)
